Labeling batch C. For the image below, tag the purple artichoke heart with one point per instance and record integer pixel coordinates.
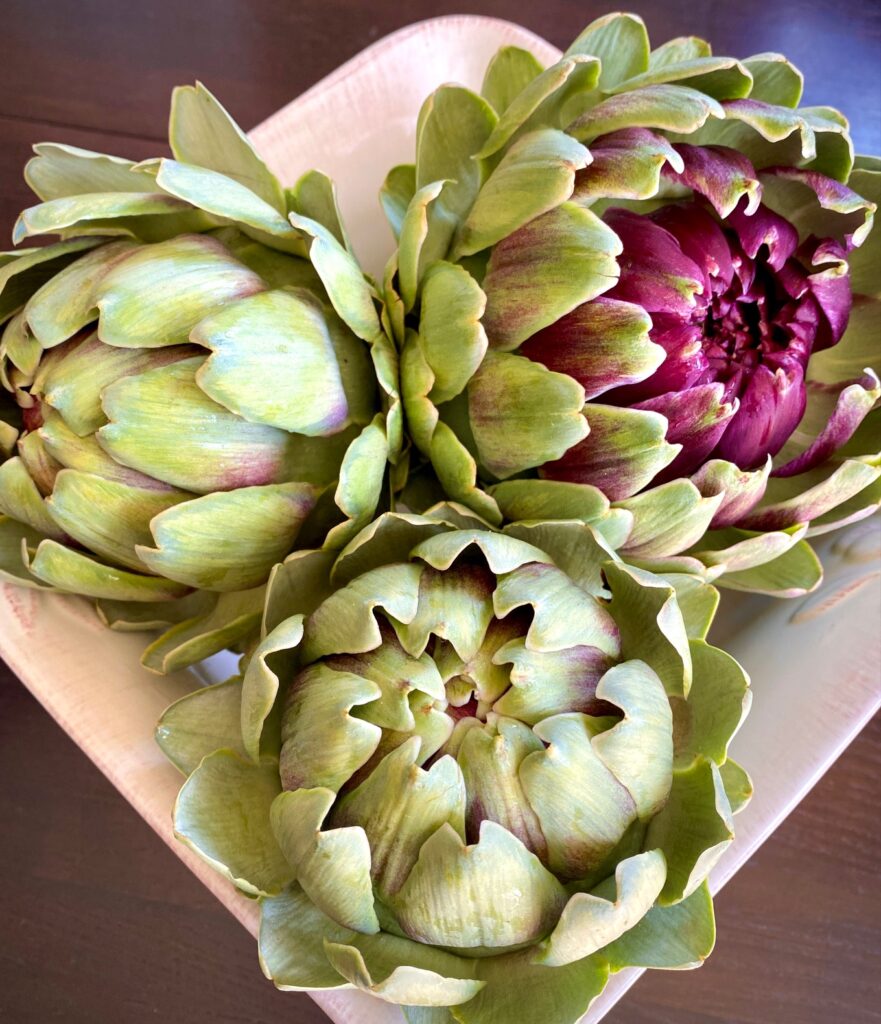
(738, 306)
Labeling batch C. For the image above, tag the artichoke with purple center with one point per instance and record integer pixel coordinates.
(640, 288)
(196, 382)
(470, 772)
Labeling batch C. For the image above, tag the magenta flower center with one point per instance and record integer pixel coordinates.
(739, 305)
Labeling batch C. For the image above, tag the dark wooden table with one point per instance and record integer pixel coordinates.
(99, 921)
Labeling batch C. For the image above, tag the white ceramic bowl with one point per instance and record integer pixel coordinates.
(814, 662)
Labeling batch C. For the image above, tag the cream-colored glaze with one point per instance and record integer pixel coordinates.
(814, 662)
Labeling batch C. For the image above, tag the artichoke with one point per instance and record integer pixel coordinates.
(196, 382)
(640, 284)
(471, 772)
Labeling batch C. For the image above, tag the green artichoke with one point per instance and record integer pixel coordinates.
(471, 772)
(196, 382)
(641, 282)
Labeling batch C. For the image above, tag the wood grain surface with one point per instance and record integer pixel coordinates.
(99, 922)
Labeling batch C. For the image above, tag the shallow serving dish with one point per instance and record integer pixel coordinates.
(813, 661)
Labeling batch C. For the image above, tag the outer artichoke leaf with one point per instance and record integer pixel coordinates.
(861, 505)
(668, 519)
(492, 895)
(395, 195)
(67, 301)
(638, 750)
(799, 499)
(132, 617)
(544, 270)
(818, 205)
(273, 362)
(347, 288)
(222, 813)
(518, 990)
(544, 101)
(451, 336)
(202, 133)
(742, 489)
(507, 75)
(58, 170)
(769, 135)
(322, 742)
(601, 344)
(682, 48)
(297, 585)
(549, 500)
(400, 806)
(453, 126)
(651, 625)
(535, 175)
(697, 601)
(20, 350)
(201, 542)
(592, 920)
(832, 417)
(775, 80)
(673, 938)
(333, 867)
(858, 349)
(457, 471)
(546, 683)
(98, 209)
(794, 573)
(623, 451)
(717, 704)
(15, 540)
(388, 538)
(158, 293)
(260, 687)
(345, 622)
(21, 499)
(627, 165)
(163, 424)
(41, 467)
(291, 942)
(361, 477)
(734, 550)
(564, 615)
(693, 830)
(108, 517)
(521, 414)
(721, 78)
(314, 196)
(672, 108)
(503, 554)
(584, 810)
(23, 271)
(490, 758)
(866, 181)
(738, 785)
(224, 197)
(455, 606)
(621, 43)
(398, 970)
(426, 232)
(231, 620)
(72, 571)
(576, 548)
(74, 385)
(200, 723)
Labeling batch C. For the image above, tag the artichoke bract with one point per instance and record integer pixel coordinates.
(643, 282)
(196, 380)
(471, 772)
